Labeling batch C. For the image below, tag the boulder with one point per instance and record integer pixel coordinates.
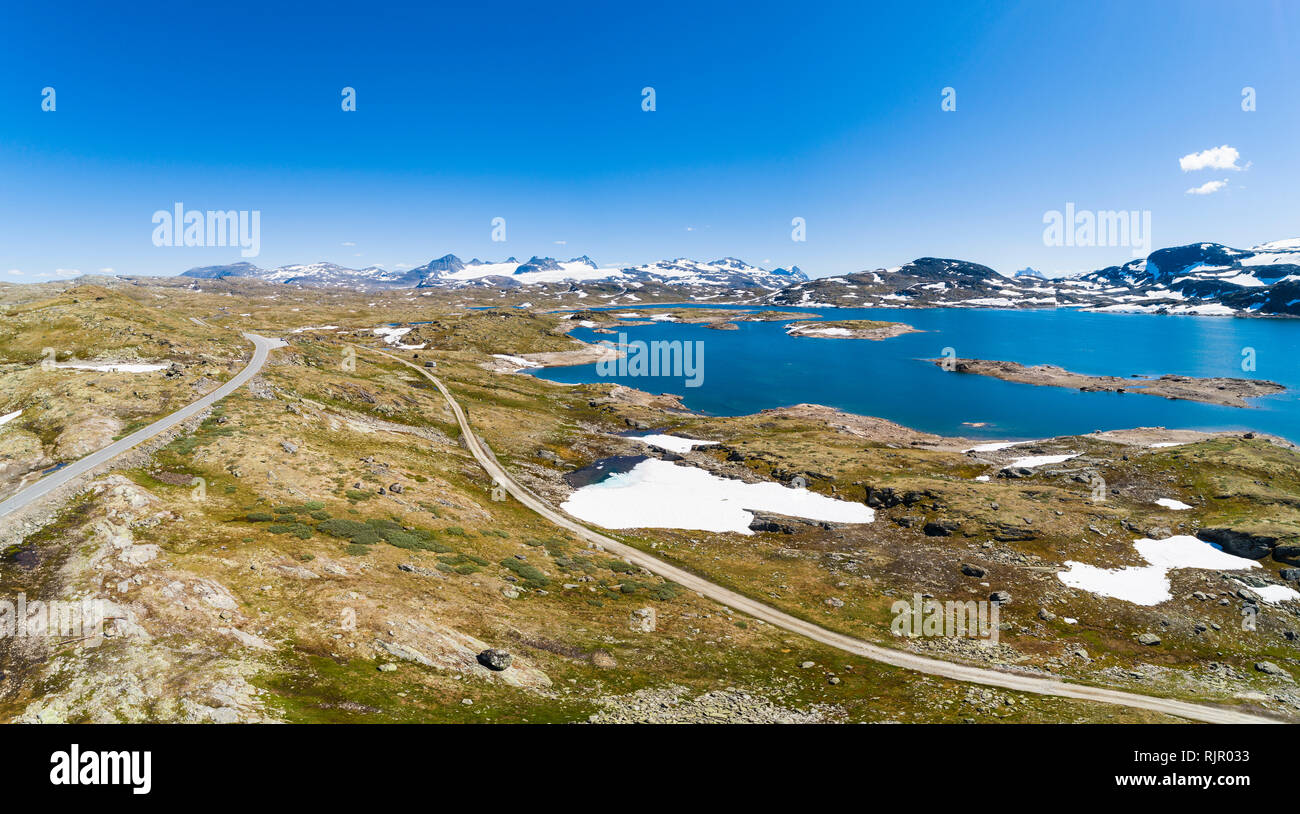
(1269, 668)
(1149, 639)
(1289, 554)
(643, 620)
(495, 660)
(882, 497)
(972, 570)
(1239, 543)
(941, 528)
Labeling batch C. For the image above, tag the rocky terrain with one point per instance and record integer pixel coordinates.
(849, 329)
(1209, 389)
(322, 547)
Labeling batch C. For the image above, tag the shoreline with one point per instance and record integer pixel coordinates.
(594, 352)
(1223, 391)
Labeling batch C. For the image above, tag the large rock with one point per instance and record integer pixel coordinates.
(643, 620)
(941, 528)
(1253, 546)
(495, 660)
(1289, 554)
(882, 498)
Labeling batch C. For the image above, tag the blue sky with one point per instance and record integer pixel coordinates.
(532, 112)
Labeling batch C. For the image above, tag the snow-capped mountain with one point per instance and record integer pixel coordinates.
(450, 271)
(1202, 278)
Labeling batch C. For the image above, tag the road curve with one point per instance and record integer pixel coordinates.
(758, 610)
(261, 348)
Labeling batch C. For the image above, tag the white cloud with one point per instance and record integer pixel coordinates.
(1208, 188)
(401, 267)
(561, 242)
(108, 270)
(1215, 158)
(348, 243)
(16, 272)
(67, 271)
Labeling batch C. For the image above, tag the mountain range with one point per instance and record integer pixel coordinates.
(1200, 278)
(450, 271)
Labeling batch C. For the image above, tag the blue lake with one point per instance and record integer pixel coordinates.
(759, 366)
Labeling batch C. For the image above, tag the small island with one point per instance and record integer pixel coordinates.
(1210, 390)
(850, 329)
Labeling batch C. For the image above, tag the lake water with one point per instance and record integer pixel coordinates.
(759, 366)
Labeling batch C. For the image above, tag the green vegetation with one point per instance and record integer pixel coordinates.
(531, 575)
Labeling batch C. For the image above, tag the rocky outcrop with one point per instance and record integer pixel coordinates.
(1253, 545)
(1211, 390)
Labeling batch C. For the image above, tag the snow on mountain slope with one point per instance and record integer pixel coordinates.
(451, 271)
(1199, 278)
(1206, 279)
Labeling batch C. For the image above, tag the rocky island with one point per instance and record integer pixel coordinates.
(850, 329)
(1227, 391)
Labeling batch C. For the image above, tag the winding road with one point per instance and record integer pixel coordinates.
(261, 349)
(758, 610)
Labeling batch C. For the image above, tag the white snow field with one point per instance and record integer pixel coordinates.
(659, 494)
(1149, 584)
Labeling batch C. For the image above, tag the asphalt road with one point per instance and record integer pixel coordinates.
(261, 348)
(758, 610)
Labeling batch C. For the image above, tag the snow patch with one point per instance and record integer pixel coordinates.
(1149, 584)
(673, 443)
(659, 494)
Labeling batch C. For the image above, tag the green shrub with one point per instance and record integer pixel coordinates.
(357, 550)
(339, 527)
(620, 567)
(297, 529)
(530, 574)
(357, 494)
(666, 591)
(414, 541)
(258, 517)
